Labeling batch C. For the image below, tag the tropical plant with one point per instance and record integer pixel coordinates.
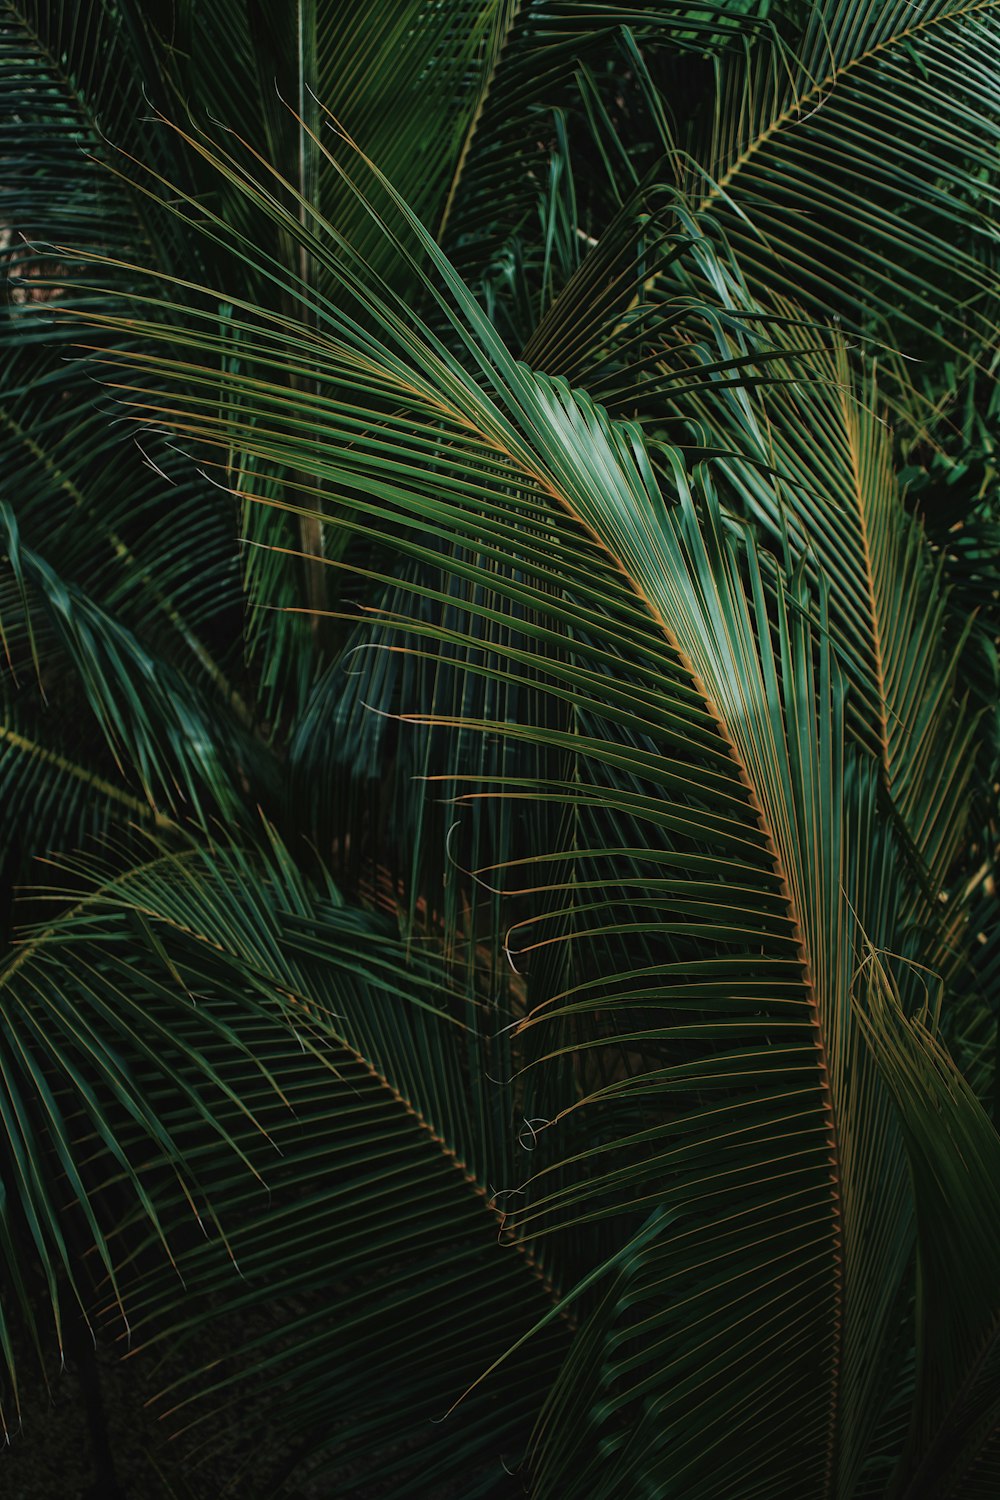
(499, 754)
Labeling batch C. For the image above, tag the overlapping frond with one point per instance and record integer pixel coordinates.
(831, 497)
(633, 1124)
(532, 81)
(724, 758)
(954, 1154)
(845, 169)
(343, 1179)
(853, 167)
(149, 716)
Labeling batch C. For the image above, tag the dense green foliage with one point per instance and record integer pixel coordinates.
(499, 754)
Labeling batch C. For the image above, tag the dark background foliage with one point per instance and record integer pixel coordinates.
(499, 754)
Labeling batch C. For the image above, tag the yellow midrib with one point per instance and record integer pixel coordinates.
(89, 778)
(878, 650)
(815, 93)
(796, 921)
(499, 46)
(128, 559)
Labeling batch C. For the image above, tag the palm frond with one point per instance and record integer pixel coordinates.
(954, 1155)
(833, 500)
(151, 719)
(724, 758)
(618, 1125)
(888, 103)
(345, 1180)
(531, 84)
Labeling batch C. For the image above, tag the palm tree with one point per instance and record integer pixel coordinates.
(500, 620)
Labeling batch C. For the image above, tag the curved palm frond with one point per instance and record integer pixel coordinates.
(954, 1154)
(844, 169)
(888, 102)
(147, 714)
(344, 1177)
(725, 757)
(629, 1138)
(832, 499)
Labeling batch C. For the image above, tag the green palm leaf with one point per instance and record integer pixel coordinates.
(728, 761)
(833, 500)
(628, 1137)
(345, 1178)
(954, 1153)
(886, 101)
